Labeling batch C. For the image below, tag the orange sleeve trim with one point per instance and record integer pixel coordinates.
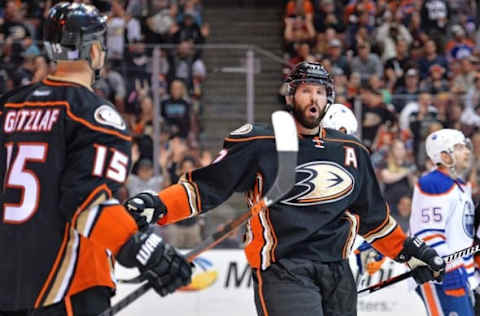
(228, 139)
(175, 198)
(434, 236)
(391, 244)
(59, 83)
(71, 115)
(382, 225)
(113, 228)
(476, 259)
(89, 199)
(54, 268)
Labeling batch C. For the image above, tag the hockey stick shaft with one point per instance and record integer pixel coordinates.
(448, 259)
(286, 140)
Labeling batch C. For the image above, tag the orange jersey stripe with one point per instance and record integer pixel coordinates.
(430, 237)
(391, 244)
(430, 300)
(347, 141)
(175, 198)
(260, 293)
(228, 139)
(71, 115)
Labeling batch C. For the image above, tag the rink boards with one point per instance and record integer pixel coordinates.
(223, 286)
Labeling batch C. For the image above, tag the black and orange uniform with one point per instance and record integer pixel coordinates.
(65, 152)
(336, 197)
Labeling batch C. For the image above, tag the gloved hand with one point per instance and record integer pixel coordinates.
(160, 263)
(455, 282)
(424, 261)
(146, 208)
(368, 259)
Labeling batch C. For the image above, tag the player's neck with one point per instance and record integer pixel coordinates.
(307, 131)
(75, 72)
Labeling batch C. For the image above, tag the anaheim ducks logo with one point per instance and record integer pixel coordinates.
(326, 182)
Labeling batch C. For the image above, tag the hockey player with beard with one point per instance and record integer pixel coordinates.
(298, 248)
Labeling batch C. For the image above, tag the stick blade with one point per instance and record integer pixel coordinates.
(286, 142)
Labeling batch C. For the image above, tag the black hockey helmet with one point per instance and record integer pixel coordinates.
(310, 72)
(70, 30)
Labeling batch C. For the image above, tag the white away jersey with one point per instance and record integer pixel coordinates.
(442, 216)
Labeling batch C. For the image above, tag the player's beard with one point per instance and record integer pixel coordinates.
(301, 115)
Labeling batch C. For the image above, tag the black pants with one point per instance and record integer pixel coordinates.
(299, 287)
(87, 303)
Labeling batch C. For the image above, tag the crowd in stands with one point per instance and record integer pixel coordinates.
(410, 67)
(133, 27)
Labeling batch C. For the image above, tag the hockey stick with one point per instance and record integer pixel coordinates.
(448, 259)
(286, 141)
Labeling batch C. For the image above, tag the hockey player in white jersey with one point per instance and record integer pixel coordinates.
(442, 215)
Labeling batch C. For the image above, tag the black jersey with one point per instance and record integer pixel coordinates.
(64, 149)
(336, 196)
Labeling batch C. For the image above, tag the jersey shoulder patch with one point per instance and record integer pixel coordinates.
(249, 132)
(107, 115)
(435, 183)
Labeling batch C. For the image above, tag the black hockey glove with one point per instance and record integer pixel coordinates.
(146, 208)
(160, 263)
(424, 261)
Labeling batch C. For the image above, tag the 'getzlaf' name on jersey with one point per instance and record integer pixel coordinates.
(45, 127)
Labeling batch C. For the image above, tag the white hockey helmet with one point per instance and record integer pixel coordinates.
(340, 116)
(444, 140)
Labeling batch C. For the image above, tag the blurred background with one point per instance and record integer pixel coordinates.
(184, 73)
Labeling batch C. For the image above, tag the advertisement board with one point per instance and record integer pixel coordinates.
(222, 285)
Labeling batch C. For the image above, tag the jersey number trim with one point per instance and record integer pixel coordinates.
(21, 178)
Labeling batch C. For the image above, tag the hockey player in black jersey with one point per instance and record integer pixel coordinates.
(298, 248)
(64, 153)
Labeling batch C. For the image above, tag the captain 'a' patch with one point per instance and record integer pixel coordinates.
(320, 182)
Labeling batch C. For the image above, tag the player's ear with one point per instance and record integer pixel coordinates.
(446, 158)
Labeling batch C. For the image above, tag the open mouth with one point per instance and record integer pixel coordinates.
(313, 109)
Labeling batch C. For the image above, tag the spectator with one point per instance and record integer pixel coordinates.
(302, 54)
(435, 15)
(389, 33)
(336, 57)
(375, 113)
(297, 29)
(144, 179)
(177, 111)
(464, 80)
(459, 46)
(409, 93)
(188, 66)
(404, 206)
(327, 16)
(366, 63)
(396, 67)
(33, 69)
(302, 8)
(14, 33)
(397, 173)
(470, 116)
(114, 87)
(121, 30)
(160, 23)
(435, 82)
(431, 57)
(189, 30)
(419, 122)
